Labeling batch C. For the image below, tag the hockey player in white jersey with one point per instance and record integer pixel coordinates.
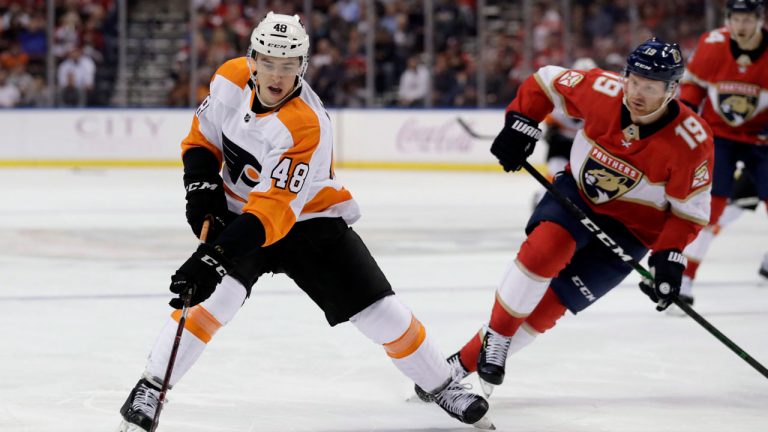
(259, 160)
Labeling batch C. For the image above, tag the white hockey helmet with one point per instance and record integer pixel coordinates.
(280, 35)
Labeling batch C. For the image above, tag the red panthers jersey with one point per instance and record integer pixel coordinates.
(655, 179)
(736, 105)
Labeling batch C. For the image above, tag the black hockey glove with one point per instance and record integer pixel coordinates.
(667, 268)
(205, 196)
(516, 141)
(200, 273)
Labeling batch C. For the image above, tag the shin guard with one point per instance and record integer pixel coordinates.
(389, 323)
(203, 320)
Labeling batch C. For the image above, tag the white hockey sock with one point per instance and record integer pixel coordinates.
(697, 249)
(202, 322)
(686, 286)
(523, 337)
(730, 214)
(521, 290)
(389, 323)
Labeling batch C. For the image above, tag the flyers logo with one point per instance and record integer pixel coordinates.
(241, 165)
(737, 101)
(604, 178)
(570, 78)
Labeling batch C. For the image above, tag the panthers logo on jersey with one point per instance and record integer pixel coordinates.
(737, 101)
(604, 177)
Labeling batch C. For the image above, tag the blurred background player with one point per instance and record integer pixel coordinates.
(632, 171)
(727, 80)
(744, 197)
(277, 208)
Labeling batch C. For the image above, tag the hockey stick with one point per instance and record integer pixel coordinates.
(177, 340)
(619, 252)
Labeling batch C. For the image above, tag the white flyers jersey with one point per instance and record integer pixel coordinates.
(655, 179)
(277, 165)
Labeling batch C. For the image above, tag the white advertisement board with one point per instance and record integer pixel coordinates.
(93, 135)
(396, 138)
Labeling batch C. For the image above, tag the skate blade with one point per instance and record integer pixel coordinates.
(487, 388)
(129, 427)
(414, 398)
(484, 423)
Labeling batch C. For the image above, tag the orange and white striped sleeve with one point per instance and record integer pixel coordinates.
(226, 88)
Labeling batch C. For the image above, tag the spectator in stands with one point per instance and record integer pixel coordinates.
(20, 78)
(14, 57)
(66, 36)
(414, 84)
(75, 77)
(38, 94)
(33, 39)
(10, 96)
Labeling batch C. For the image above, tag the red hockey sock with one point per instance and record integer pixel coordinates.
(546, 313)
(470, 352)
(716, 209)
(502, 322)
(691, 268)
(547, 250)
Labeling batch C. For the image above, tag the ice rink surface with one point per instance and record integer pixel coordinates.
(86, 256)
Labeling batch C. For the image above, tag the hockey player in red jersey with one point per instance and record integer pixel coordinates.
(727, 79)
(258, 158)
(640, 169)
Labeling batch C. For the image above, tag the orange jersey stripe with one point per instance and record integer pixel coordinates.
(273, 207)
(235, 70)
(199, 322)
(195, 138)
(327, 197)
(274, 213)
(409, 342)
(232, 193)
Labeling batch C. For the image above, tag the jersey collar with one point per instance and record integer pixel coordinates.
(752, 54)
(646, 130)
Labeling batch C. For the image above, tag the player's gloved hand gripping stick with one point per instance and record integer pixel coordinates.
(647, 276)
(187, 298)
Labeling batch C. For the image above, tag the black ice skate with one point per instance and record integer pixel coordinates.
(460, 404)
(139, 409)
(490, 363)
(458, 372)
